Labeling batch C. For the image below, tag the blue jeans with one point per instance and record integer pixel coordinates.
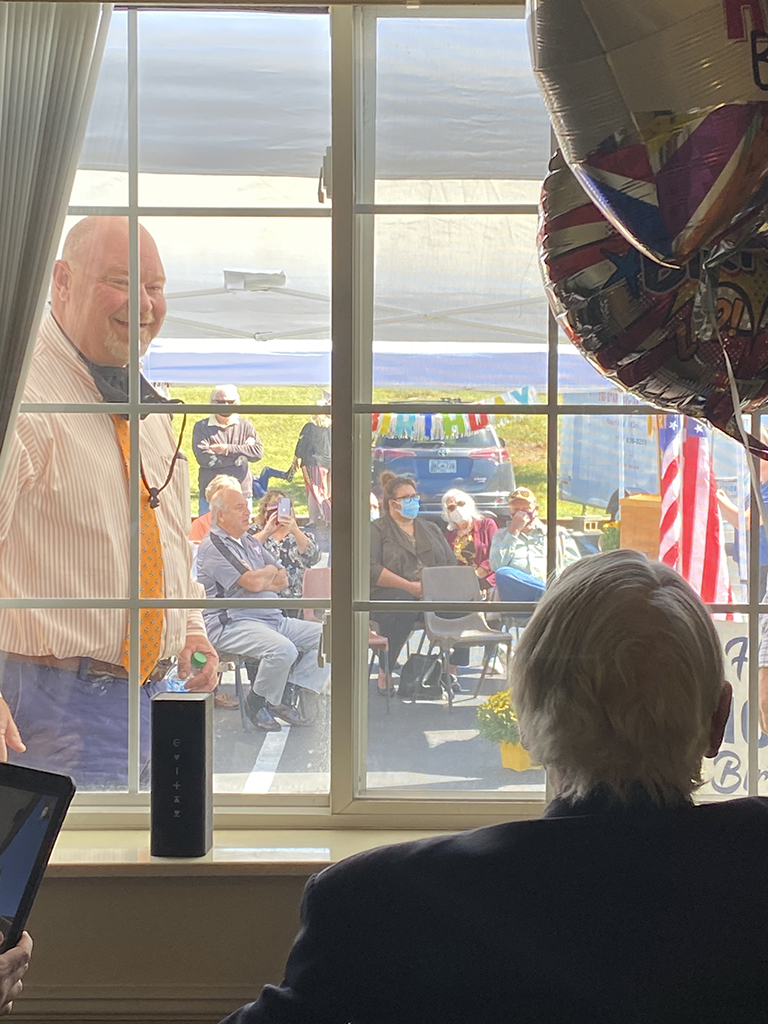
(516, 585)
(75, 724)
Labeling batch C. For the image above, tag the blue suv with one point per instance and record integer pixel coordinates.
(477, 463)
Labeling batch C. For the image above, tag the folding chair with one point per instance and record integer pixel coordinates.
(467, 629)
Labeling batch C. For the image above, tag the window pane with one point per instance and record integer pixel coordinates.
(102, 174)
(249, 298)
(261, 453)
(421, 745)
(458, 114)
(459, 310)
(611, 469)
(424, 735)
(762, 778)
(234, 107)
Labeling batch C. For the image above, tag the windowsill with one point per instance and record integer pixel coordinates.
(238, 852)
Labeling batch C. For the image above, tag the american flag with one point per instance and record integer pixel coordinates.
(691, 535)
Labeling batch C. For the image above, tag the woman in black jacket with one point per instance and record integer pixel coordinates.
(402, 543)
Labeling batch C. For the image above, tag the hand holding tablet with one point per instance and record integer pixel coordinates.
(32, 809)
(13, 966)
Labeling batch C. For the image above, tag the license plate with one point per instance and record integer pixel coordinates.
(442, 465)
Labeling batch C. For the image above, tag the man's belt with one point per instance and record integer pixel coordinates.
(86, 667)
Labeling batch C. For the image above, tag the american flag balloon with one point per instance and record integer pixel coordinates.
(661, 110)
(634, 319)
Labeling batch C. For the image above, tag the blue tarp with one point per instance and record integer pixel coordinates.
(491, 367)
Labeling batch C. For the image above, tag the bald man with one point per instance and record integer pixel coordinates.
(65, 526)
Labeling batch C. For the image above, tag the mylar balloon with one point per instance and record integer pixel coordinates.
(638, 322)
(660, 109)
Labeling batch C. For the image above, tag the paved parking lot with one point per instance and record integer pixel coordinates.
(419, 746)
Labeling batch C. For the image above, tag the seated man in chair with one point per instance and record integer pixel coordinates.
(232, 564)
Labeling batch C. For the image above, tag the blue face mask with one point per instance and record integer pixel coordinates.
(374, 514)
(409, 507)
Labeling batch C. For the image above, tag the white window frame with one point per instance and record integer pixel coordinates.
(353, 30)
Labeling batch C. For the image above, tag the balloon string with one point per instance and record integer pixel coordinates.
(753, 477)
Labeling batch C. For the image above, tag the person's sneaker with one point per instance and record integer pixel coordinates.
(260, 715)
(288, 715)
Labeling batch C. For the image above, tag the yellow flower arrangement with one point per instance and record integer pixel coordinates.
(496, 719)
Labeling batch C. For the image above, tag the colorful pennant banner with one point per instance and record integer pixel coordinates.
(428, 426)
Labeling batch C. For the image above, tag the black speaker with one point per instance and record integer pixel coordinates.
(182, 774)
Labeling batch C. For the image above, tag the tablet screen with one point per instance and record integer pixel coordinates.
(32, 808)
(24, 822)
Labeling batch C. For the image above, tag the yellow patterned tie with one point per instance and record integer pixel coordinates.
(150, 570)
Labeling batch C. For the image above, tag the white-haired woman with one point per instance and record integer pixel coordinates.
(469, 534)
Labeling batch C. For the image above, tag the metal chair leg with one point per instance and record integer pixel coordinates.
(490, 651)
(447, 677)
(244, 720)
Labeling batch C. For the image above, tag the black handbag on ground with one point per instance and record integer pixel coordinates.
(420, 678)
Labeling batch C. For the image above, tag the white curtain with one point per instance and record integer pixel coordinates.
(50, 54)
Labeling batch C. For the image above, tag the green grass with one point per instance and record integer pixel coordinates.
(526, 438)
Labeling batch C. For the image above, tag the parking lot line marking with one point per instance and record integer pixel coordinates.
(436, 737)
(267, 761)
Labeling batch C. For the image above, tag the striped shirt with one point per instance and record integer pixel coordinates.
(64, 517)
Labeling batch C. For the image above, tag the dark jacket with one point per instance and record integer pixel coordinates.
(391, 550)
(482, 535)
(313, 447)
(589, 915)
(243, 446)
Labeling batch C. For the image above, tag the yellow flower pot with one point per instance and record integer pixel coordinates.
(515, 756)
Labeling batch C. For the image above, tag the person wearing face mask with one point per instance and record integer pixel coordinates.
(402, 544)
(469, 534)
